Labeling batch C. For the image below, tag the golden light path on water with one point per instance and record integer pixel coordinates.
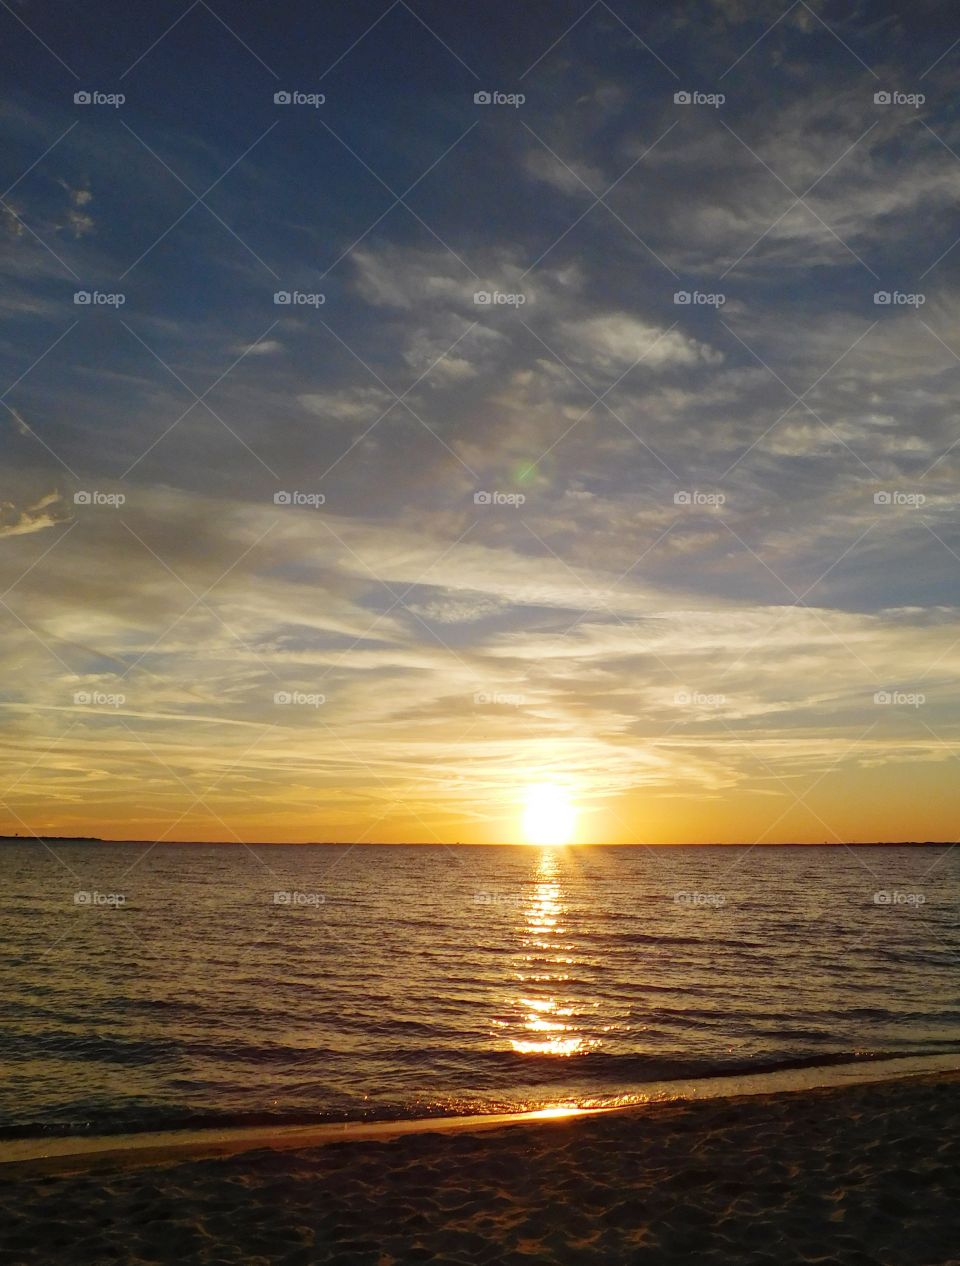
(546, 1016)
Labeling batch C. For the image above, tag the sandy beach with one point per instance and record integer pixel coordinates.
(859, 1175)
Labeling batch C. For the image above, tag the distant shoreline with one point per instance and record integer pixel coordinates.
(95, 839)
(61, 839)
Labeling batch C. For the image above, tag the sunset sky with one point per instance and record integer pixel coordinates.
(693, 564)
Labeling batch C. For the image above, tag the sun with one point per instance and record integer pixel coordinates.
(549, 817)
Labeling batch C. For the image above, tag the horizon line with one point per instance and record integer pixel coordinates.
(95, 839)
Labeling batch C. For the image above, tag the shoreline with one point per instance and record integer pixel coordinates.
(849, 1174)
(74, 1154)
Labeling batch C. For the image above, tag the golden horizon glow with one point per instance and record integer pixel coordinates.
(549, 816)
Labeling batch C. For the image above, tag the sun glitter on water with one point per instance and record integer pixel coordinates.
(549, 817)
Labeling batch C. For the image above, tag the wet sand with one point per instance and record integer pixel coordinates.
(858, 1174)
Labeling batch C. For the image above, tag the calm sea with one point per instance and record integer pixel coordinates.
(180, 985)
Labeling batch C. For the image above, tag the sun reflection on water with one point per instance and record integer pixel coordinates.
(548, 1021)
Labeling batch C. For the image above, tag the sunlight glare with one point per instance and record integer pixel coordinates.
(549, 816)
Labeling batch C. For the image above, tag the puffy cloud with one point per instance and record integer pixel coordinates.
(618, 340)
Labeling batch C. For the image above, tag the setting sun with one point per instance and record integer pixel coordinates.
(549, 817)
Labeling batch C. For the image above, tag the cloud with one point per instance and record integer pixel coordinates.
(265, 347)
(18, 421)
(617, 340)
(353, 405)
(12, 220)
(78, 221)
(24, 520)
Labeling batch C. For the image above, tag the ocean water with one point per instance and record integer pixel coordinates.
(185, 985)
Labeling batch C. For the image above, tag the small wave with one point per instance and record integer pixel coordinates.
(712, 1080)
